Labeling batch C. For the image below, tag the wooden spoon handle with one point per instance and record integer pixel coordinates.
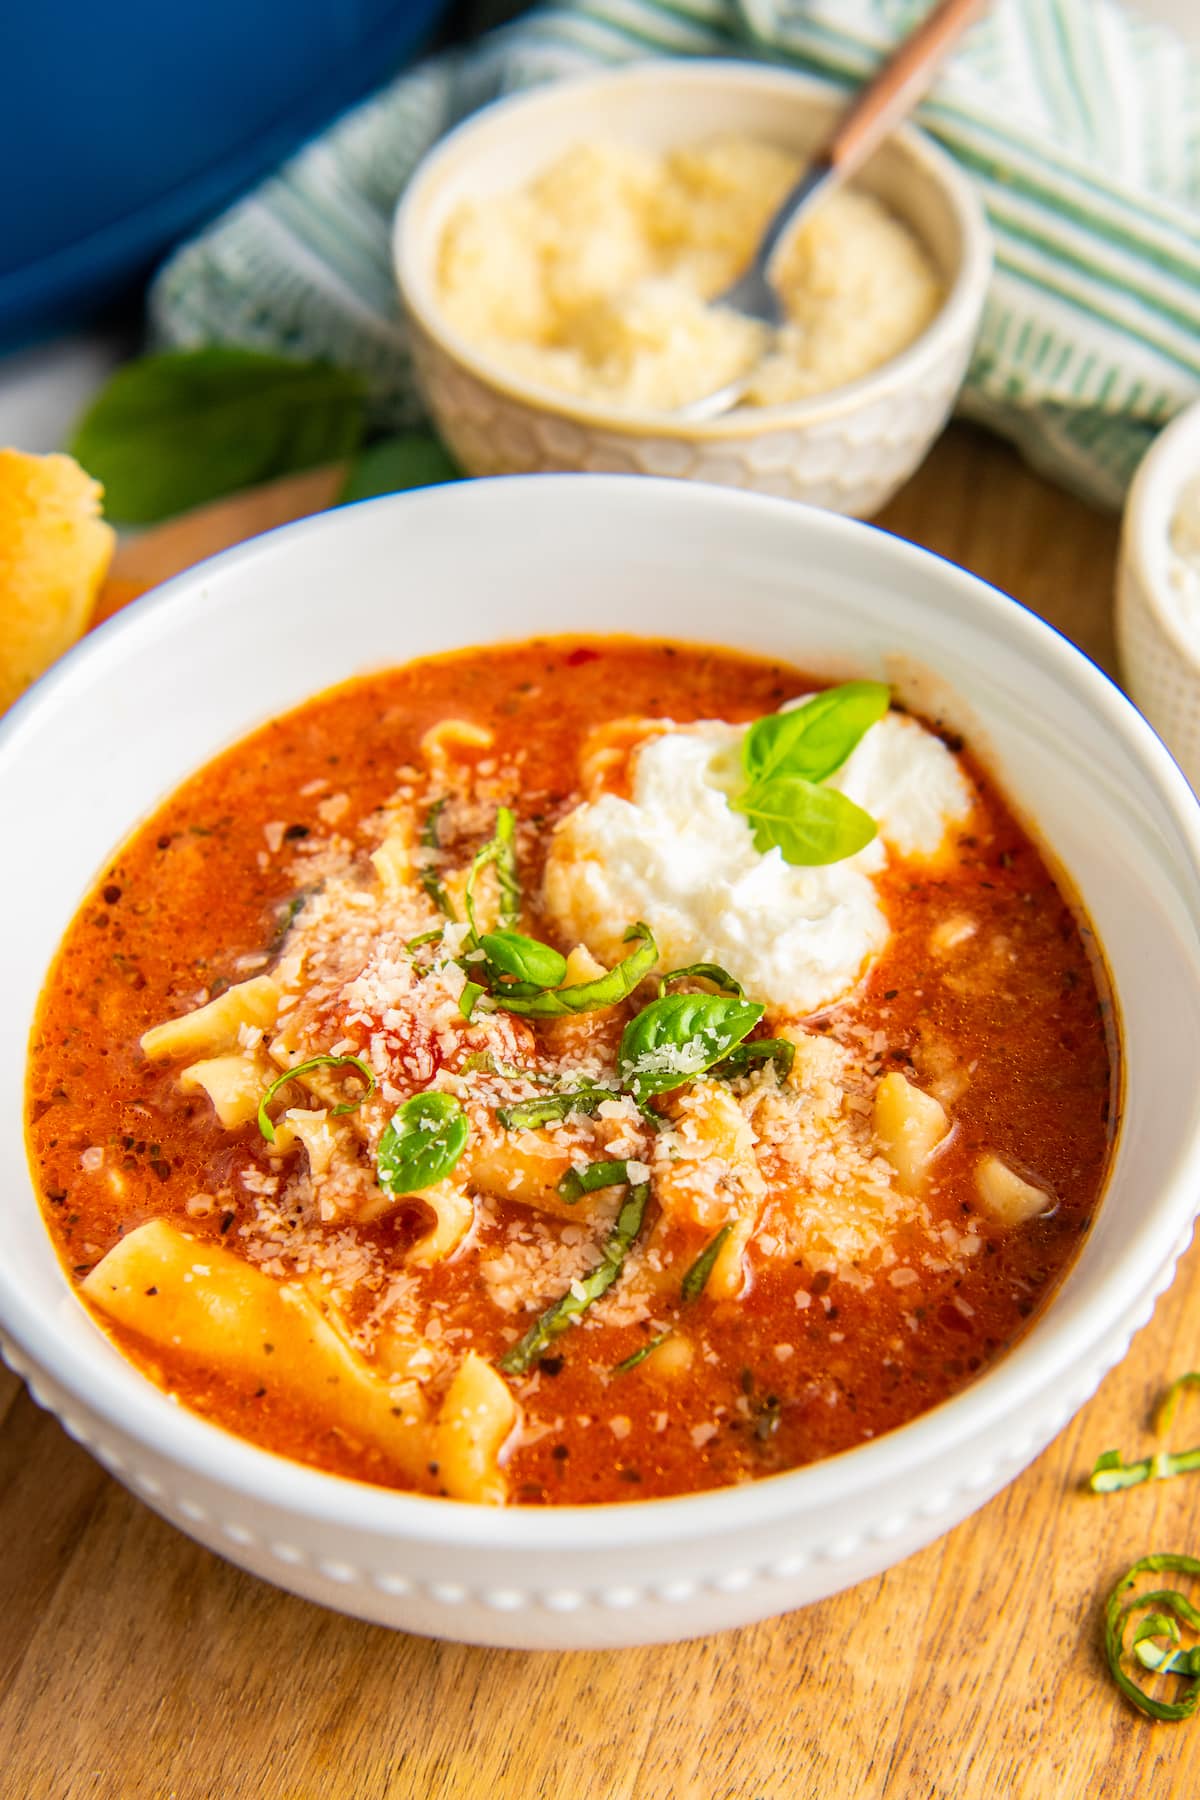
(898, 86)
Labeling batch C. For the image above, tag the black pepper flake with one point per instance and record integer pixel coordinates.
(268, 1349)
(550, 1365)
(296, 831)
(560, 1453)
(434, 1468)
(890, 993)
(630, 1474)
(151, 1291)
(110, 894)
(259, 1392)
(226, 1221)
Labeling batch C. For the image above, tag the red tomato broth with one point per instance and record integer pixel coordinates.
(186, 896)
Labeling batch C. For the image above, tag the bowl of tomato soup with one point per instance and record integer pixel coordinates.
(597, 1059)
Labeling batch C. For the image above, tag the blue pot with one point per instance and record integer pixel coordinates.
(124, 126)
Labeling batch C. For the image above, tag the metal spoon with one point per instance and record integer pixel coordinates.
(875, 109)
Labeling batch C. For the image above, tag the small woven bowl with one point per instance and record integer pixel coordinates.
(848, 450)
(1160, 658)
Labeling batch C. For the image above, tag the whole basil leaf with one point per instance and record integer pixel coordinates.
(412, 459)
(814, 739)
(589, 996)
(809, 825)
(169, 432)
(680, 1036)
(422, 1142)
(524, 958)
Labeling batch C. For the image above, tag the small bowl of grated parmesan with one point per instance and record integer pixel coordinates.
(560, 255)
(1158, 590)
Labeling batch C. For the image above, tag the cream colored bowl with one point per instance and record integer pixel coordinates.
(162, 688)
(847, 450)
(1160, 657)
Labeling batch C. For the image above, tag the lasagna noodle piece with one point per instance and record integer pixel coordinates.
(201, 1303)
(213, 1029)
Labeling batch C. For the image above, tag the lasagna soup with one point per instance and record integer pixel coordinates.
(574, 1071)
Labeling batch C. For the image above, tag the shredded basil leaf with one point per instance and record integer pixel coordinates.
(1112, 1473)
(421, 1143)
(527, 1115)
(430, 879)
(305, 1068)
(703, 971)
(484, 1060)
(589, 996)
(780, 1051)
(424, 937)
(815, 739)
(696, 1279)
(289, 912)
(1165, 1412)
(469, 999)
(1166, 1605)
(640, 1355)
(678, 1037)
(577, 1182)
(807, 824)
(523, 958)
(557, 1318)
(499, 850)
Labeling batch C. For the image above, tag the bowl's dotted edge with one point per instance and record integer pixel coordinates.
(982, 1477)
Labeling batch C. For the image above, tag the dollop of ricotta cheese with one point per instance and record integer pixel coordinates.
(677, 856)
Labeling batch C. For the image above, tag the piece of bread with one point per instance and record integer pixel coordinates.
(54, 552)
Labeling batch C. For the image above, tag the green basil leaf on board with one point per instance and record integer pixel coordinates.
(172, 431)
(809, 825)
(1167, 1606)
(413, 459)
(524, 958)
(584, 1292)
(814, 739)
(678, 1037)
(422, 1142)
(589, 996)
(306, 1068)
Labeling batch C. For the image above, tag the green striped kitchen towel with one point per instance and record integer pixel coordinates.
(1079, 121)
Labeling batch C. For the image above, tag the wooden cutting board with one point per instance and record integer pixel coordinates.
(137, 1666)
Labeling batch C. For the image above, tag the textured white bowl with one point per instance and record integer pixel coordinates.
(1159, 659)
(848, 450)
(158, 690)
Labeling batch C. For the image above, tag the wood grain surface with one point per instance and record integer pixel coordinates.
(137, 1666)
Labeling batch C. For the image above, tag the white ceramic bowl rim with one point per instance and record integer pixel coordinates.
(1172, 458)
(131, 1404)
(413, 260)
